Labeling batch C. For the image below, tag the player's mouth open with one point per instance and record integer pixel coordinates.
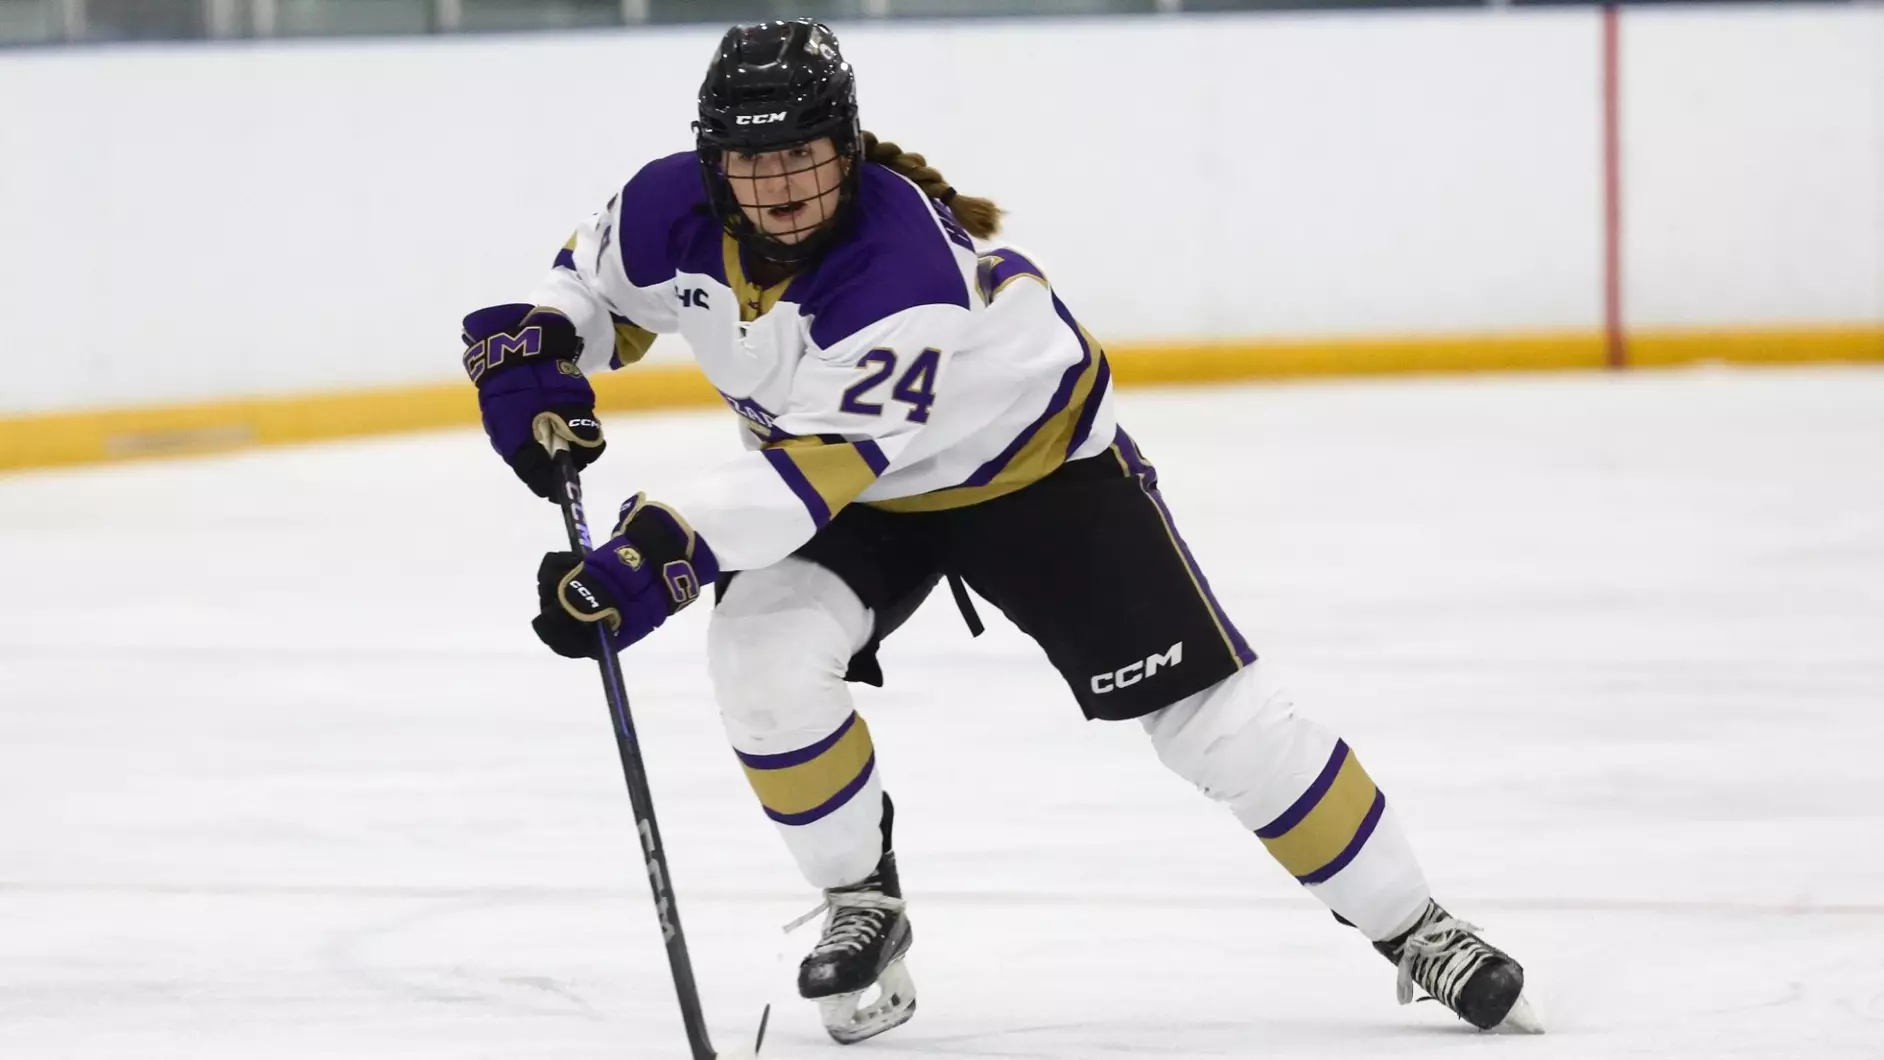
(790, 209)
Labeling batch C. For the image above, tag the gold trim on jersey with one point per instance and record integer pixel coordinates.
(754, 301)
(632, 342)
(984, 276)
(837, 471)
(1041, 456)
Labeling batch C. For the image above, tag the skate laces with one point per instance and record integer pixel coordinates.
(855, 916)
(1439, 957)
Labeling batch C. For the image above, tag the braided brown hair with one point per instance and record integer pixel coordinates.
(981, 217)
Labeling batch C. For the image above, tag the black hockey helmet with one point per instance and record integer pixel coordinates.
(772, 86)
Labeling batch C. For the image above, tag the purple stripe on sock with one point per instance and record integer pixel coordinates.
(788, 759)
(1299, 808)
(1368, 824)
(831, 805)
(1091, 412)
(872, 454)
(788, 470)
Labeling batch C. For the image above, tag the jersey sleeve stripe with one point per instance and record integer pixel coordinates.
(800, 485)
(631, 341)
(999, 268)
(1083, 429)
(1062, 396)
(1037, 451)
(836, 471)
(872, 454)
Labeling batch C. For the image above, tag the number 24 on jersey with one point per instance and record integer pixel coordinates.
(915, 387)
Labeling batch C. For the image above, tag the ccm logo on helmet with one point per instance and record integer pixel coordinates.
(759, 119)
(1132, 673)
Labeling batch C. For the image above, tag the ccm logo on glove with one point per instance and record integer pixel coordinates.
(587, 596)
(616, 585)
(523, 359)
(491, 352)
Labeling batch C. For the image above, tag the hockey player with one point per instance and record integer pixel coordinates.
(918, 403)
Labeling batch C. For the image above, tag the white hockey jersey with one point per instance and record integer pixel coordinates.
(903, 369)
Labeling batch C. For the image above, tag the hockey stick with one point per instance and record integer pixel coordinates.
(652, 852)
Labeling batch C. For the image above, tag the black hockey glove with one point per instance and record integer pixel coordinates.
(653, 566)
(523, 360)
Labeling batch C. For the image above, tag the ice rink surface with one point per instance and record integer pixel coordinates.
(284, 774)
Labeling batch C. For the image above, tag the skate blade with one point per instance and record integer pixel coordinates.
(1522, 1019)
(849, 1019)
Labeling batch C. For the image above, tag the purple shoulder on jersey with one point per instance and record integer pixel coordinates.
(999, 266)
(894, 258)
(666, 225)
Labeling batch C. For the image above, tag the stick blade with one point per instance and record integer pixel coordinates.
(751, 1052)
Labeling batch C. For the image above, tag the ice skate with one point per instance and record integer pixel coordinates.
(866, 934)
(1477, 981)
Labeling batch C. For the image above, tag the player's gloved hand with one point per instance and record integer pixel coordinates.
(523, 360)
(653, 566)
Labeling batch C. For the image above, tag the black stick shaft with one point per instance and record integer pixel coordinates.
(652, 852)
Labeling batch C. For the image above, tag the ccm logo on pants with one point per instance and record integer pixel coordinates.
(1132, 673)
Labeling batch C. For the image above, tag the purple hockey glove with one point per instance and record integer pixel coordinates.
(653, 566)
(523, 360)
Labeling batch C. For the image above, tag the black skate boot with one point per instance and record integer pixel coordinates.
(1478, 982)
(866, 934)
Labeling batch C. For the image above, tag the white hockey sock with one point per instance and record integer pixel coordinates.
(777, 648)
(1303, 793)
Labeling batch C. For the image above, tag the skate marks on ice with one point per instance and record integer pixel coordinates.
(1699, 983)
(378, 955)
(450, 972)
(1635, 617)
(209, 976)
